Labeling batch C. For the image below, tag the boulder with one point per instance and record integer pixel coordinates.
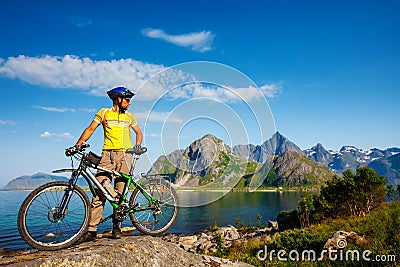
(273, 225)
(339, 240)
(229, 233)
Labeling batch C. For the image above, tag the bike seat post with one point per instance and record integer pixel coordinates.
(134, 160)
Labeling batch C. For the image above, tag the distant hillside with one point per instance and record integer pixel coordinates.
(388, 167)
(209, 159)
(384, 162)
(28, 182)
(295, 169)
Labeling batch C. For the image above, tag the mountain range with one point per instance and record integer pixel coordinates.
(384, 162)
(287, 163)
(28, 182)
(208, 161)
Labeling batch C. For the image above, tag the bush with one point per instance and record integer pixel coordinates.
(305, 208)
(249, 228)
(380, 229)
(352, 194)
(288, 220)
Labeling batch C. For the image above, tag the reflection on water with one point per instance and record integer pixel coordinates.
(193, 198)
(224, 211)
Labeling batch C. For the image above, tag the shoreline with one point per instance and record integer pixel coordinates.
(246, 190)
(220, 190)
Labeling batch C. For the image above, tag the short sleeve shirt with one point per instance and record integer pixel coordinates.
(117, 134)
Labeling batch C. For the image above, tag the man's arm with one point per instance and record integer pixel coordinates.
(139, 134)
(87, 133)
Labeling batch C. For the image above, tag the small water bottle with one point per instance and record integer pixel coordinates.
(109, 187)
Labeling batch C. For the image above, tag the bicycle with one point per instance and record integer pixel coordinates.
(56, 215)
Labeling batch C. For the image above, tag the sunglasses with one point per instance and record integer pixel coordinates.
(128, 99)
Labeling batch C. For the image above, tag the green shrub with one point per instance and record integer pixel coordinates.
(380, 231)
(352, 194)
(288, 220)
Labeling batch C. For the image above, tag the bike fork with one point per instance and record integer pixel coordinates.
(66, 198)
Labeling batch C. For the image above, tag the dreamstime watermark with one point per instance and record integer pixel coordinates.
(330, 254)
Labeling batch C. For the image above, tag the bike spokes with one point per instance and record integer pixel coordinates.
(43, 226)
(157, 215)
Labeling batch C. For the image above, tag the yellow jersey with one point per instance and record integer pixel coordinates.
(117, 134)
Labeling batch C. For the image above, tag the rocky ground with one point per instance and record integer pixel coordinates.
(205, 242)
(168, 250)
(131, 250)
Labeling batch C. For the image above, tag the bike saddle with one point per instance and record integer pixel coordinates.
(140, 152)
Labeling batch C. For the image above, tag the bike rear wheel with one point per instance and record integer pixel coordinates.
(39, 224)
(159, 218)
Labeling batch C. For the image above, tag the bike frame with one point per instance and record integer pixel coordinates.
(84, 171)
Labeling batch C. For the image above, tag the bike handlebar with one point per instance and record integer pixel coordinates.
(75, 149)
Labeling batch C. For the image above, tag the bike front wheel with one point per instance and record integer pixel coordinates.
(157, 217)
(39, 220)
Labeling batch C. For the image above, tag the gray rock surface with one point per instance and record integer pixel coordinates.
(204, 242)
(128, 251)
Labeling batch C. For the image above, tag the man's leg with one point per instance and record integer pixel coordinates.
(124, 162)
(97, 207)
(119, 187)
(98, 201)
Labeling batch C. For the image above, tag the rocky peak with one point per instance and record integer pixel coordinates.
(319, 147)
(198, 164)
(202, 152)
(278, 144)
(205, 145)
(319, 154)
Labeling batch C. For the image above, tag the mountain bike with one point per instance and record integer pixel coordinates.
(56, 215)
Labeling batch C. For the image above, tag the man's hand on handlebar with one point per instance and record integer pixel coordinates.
(74, 149)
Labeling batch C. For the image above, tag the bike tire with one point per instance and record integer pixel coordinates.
(43, 231)
(145, 220)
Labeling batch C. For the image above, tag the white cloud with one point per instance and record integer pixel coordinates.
(61, 110)
(82, 22)
(63, 135)
(7, 122)
(158, 117)
(53, 109)
(197, 41)
(252, 93)
(271, 90)
(72, 72)
(226, 94)
(153, 135)
(90, 110)
(96, 77)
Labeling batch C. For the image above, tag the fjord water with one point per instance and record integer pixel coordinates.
(224, 211)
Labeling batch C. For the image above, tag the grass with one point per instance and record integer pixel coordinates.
(380, 231)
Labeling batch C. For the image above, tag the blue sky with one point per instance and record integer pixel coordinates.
(329, 71)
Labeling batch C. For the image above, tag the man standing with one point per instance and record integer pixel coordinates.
(116, 122)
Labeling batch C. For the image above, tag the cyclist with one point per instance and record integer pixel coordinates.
(116, 122)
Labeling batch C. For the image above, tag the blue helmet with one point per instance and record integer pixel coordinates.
(122, 92)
